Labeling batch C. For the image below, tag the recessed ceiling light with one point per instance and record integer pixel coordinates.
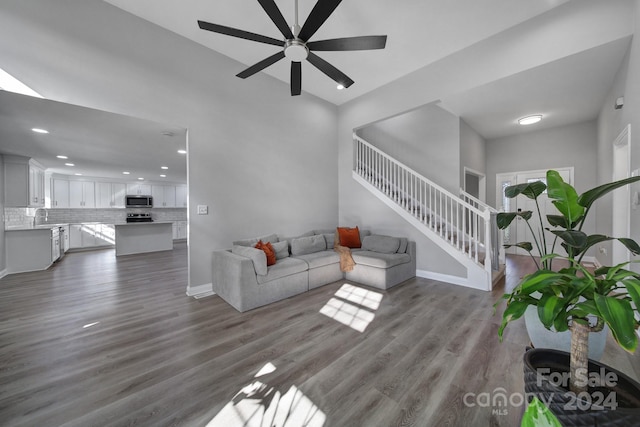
(340, 87)
(125, 173)
(38, 130)
(62, 157)
(529, 120)
(163, 176)
(78, 174)
(164, 167)
(182, 151)
(69, 164)
(141, 179)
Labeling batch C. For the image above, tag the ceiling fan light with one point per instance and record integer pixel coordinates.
(296, 50)
(529, 120)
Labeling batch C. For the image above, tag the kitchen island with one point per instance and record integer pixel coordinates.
(142, 237)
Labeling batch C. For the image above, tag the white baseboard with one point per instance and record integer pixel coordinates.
(455, 280)
(200, 291)
(3, 273)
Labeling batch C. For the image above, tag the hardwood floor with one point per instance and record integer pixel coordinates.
(100, 341)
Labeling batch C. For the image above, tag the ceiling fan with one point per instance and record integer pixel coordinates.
(296, 45)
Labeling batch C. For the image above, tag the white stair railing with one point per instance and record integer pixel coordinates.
(461, 222)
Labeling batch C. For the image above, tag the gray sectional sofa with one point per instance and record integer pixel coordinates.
(241, 276)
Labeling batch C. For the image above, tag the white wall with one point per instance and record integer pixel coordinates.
(573, 145)
(610, 123)
(262, 161)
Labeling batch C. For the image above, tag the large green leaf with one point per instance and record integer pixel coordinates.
(557, 221)
(565, 197)
(574, 238)
(630, 244)
(504, 219)
(619, 316)
(633, 288)
(530, 190)
(514, 310)
(538, 415)
(540, 280)
(587, 198)
(527, 246)
(548, 308)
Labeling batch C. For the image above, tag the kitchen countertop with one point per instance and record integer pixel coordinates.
(32, 227)
(144, 223)
(50, 226)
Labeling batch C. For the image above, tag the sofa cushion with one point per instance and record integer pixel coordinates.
(281, 248)
(268, 251)
(380, 260)
(308, 245)
(283, 268)
(258, 257)
(330, 238)
(349, 237)
(320, 259)
(404, 242)
(382, 244)
(272, 238)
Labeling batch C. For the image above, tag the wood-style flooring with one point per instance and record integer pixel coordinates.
(103, 341)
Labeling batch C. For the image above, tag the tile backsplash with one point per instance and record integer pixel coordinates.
(30, 216)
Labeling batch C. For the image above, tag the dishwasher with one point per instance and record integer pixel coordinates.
(61, 237)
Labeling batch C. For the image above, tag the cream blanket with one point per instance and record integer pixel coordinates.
(346, 260)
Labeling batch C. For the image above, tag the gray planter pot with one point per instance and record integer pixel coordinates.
(541, 337)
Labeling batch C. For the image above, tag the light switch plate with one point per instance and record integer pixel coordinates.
(203, 210)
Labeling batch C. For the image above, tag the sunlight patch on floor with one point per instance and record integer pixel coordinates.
(261, 405)
(353, 306)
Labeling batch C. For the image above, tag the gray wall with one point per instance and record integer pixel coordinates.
(473, 150)
(262, 161)
(610, 123)
(425, 139)
(3, 252)
(572, 145)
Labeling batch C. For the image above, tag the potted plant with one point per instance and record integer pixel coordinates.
(570, 297)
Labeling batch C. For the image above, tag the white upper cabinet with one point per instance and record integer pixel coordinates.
(138, 189)
(181, 196)
(23, 182)
(164, 196)
(110, 195)
(82, 194)
(60, 193)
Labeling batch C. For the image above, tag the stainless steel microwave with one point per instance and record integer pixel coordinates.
(138, 201)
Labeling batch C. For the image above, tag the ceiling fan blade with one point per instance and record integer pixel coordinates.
(234, 32)
(274, 13)
(329, 70)
(261, 65)
(350, 43)
(320, 13)
(296, 78)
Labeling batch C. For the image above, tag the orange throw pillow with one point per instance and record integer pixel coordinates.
(349, 237)
(268, 251)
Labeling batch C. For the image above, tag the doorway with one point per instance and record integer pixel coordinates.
(475, 184)
(621, 203)
(518, 231)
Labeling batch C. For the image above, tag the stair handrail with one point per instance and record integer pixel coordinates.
(466, 196)
(485, 214)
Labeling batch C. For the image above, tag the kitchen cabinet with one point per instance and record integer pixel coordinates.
(65, 242)
(110, 194)
(91, 235)
(179, 230)
(23, 182)
(60, 193)
(28, 249)
(164, 196)
(181, 196)
(82, 194)
(138, 189)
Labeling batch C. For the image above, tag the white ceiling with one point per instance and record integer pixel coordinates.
(419, 33)
(98, 143)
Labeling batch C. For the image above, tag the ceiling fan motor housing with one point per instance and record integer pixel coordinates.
(296, 50)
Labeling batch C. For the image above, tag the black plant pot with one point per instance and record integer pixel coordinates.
(613, 399)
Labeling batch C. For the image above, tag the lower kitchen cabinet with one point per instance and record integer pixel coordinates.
(179, 230)
(91, 235)
(28, 250)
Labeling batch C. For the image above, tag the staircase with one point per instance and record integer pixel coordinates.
(462, 225)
